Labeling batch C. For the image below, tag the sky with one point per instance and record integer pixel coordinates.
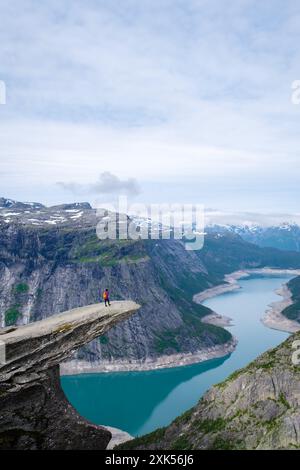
(170, 101)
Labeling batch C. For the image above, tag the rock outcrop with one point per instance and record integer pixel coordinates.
(34, 413)
(257, 407)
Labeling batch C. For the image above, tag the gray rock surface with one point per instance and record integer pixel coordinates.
(34, 411)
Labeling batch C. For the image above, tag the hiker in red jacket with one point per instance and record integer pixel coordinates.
(106, 297)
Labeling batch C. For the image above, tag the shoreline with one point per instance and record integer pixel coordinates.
(117, 436)
(272, 319)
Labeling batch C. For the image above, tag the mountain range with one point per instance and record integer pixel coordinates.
(284, 236)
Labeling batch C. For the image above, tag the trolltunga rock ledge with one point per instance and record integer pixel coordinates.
(34, 412)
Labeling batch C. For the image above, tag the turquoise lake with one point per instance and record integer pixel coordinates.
(139, 402)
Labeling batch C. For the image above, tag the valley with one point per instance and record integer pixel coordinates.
(51, 261)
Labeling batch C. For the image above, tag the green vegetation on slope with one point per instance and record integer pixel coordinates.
(166, 340)
(191, 315)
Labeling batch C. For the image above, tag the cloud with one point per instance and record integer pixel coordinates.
(181, 90)
(107, 183)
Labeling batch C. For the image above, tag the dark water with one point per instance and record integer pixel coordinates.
(139, 402)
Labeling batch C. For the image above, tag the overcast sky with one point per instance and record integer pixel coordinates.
(181, 100)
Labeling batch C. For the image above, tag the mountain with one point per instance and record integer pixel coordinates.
(35, 414)
(285, 236)
(51, 261)
(257, 407)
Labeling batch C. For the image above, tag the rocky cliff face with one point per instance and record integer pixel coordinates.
(51, 261)
(292, 312)
(34, 411)
(257, 407)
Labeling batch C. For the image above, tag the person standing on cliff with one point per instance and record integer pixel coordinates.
(106, 297)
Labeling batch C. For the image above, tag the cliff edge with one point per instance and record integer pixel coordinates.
(35, 413)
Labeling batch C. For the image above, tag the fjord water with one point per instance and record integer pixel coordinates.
(139, 402)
